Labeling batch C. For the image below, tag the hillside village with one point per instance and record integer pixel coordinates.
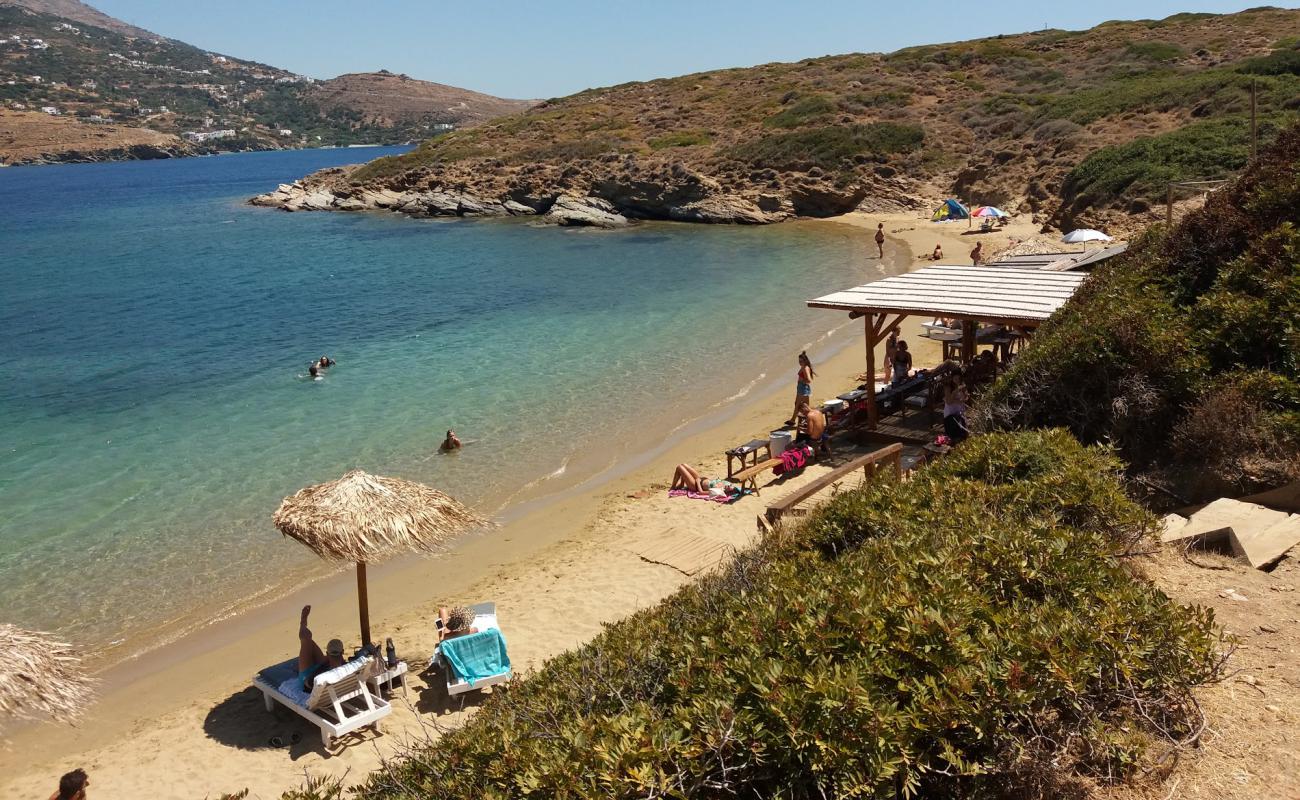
(208, 101)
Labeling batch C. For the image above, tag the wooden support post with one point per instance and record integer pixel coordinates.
(968, 341)
(1169, 206)
(1254, 124)
(872, 412)
(363, 601)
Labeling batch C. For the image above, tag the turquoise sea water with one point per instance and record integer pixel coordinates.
(153, 329)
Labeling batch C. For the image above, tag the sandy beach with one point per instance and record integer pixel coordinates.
(183, 721)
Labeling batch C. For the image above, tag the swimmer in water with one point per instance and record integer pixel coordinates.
(314, 372)
(450, 443)
(326, 361)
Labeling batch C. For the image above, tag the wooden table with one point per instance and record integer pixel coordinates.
(747, 455)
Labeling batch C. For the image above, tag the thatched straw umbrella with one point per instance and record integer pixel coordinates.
(40, 677)
(367, 518)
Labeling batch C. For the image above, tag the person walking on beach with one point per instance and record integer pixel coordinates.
(977, 255)
(72, 786)
(880, 239)
(803, 385)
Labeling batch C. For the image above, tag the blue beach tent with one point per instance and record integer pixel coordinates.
(951, 210)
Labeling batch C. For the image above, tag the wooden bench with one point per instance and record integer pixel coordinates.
(868, 464)
(747, 455)
(747, 477)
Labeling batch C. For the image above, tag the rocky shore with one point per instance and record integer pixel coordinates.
(599, 194)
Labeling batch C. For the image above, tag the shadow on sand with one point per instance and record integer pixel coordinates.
(242, 721)
(433, 697)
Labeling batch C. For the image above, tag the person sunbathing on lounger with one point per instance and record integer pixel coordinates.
(458, 621)
(311, 661)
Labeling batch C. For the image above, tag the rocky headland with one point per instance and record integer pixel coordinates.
(603, 193)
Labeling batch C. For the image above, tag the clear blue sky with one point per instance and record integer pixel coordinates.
(557, 47)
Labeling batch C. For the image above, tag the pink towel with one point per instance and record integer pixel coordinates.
(724, 499)
(792, 459)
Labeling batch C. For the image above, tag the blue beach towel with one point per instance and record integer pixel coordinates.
(477, 656)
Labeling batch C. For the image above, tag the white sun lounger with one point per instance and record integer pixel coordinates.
(485, 618)
(339, 702)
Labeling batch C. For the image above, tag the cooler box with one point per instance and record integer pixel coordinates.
(780, 441)
(833, 406)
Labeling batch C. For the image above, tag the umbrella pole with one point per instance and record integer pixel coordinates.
(363, 601)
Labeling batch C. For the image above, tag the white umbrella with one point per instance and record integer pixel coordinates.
(1085, 235)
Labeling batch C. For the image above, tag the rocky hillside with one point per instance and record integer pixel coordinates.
(79, 13)
(388, 100)
(1070, 126)
(99, 71)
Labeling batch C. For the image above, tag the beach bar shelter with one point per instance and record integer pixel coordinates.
(1020, 299)
(365, 519)
(40, 678)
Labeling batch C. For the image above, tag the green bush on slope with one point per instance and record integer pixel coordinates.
(966, 633)
(1185, 352)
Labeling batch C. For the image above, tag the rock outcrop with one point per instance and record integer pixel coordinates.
(590, 211)
(603, 193)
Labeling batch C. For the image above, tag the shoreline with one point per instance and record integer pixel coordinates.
(558, 571)
(531, 494)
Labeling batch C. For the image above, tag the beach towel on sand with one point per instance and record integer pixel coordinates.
(795, 458)
(724, 499)
(477, 656)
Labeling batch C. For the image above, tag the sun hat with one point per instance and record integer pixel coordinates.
(459, 618)
(334, 648)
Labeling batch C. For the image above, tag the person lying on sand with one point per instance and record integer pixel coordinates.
(688, 478)
(450, 443)
(458, 621)
(72, 786)
(311, 661)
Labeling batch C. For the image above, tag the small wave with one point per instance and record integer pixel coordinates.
(533, 484)
(745, 390)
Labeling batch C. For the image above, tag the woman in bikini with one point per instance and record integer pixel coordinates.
(803, 386)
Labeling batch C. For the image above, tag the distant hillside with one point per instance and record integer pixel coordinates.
(106, 72)
(80, 13)
(389, 100)
(1070, 126)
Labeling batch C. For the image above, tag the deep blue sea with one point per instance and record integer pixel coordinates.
(154, 331)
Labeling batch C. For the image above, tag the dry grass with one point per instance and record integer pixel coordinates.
(1250, 748)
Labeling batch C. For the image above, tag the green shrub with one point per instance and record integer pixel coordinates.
(1279, 62)
(1150, 354)
(1214, 90)
(1155, 51)
(969, 642)
(1143, 167)
(829, 147)
(808, 109)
